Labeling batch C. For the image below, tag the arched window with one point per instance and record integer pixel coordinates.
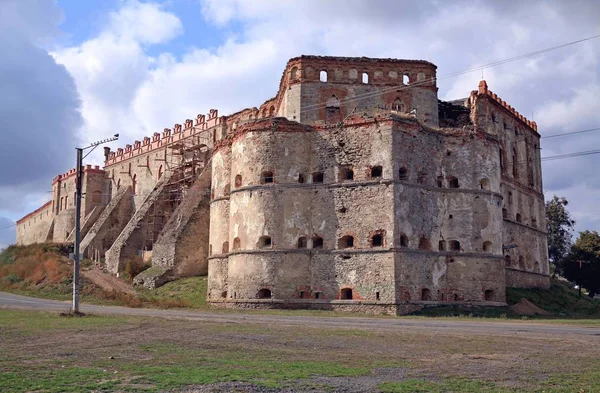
(406, 79)
(514, 163)
(264, 293)
(453, 182)
(302, 242)
(425, 294)
(238, 181)
(300, 178)
(226, 189)
(346, 242)
(424, 244)
(376, 172)
(272, 111)
(160, 172)
(398, 105)
(454, 245)
(346, 294)
(294, 73)
(484, 184)
(266, 177)
(323, 76)
(507, 261)
(66, 201)
(377, 240)
(519, 218)
(317, 242)
(487, 246)
(134, 184)
(521, 262)
(536, 266)
(504, 214)
(440, 181)
(403, 240)
(265, 242)
(118, 184)
(442, 245)
(365, 78)
(96, 196)
(236, 243)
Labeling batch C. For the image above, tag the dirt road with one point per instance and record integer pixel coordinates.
(12, 301)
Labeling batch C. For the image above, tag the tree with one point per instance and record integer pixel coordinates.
(582, 265)
(559, 225)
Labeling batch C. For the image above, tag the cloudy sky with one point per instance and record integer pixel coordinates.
(74, 71)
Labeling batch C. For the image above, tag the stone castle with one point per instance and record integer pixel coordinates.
(354, 188)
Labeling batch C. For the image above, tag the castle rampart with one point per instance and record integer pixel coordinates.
(353, 188)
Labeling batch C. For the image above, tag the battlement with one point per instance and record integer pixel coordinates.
(88, 169)
(40, 209)
(168, 136)
(483, 90)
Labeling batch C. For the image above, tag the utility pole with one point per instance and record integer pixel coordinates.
(78, 194)
(78, 180)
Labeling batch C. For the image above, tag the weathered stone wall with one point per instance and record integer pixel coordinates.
(109, 225)
(36, 226)
(183, 243)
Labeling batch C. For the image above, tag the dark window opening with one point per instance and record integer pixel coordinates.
(236, 243)
(376, 295)
(442, 245)
(266, 177)
(484, 184)
(346, 174)
(440, 181)
(425, 294)
(225, 248)
(302, 293)
(238, 181)
(377, 240)
(403, 240)
(317, 242)
(224, 294)
(504, 214)
(264, 294)
(519, 218)
(424, 244)
(346, 242)
(300, 178)
(456, 297)
(521, 262)
(403, 174)
(454, 245)
(264, 242)
(515, 169)
(487, 246)
(346, 294)
(507, 260)
(317, 177)
(421, 178)
(376, 172)
(453, 182)
(488, 295)
(302, 242)
(510, 198)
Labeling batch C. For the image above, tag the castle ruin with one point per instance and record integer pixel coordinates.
(354, 188)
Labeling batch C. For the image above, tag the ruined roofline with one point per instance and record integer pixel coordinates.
(158, 141)
(33, 213)
(366, 60)
(73, 172)
(483, 90)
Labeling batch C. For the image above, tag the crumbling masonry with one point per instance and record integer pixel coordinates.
(354, 188)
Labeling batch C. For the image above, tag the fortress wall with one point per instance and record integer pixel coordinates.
(449, 277)
(34, 227)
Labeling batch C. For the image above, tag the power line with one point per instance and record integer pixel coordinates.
(570, 133)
